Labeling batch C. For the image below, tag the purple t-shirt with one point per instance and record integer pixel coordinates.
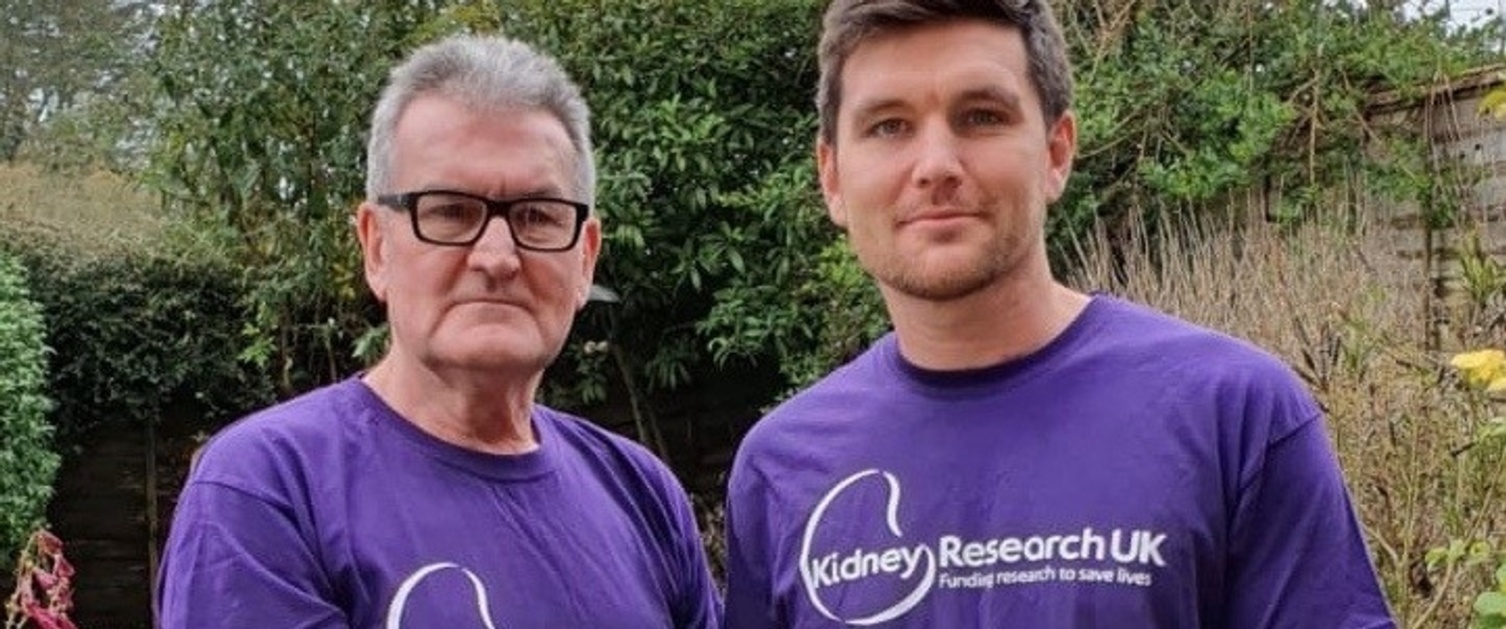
(1136, 472)
(332, 511)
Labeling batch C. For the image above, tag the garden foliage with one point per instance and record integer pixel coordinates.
(1421, 447)
(28, 462)
(133, 333)
(715, 238)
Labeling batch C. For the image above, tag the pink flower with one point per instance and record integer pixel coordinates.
(61, 567)
(45, 579)
(46, 619)
(45, 569)
(49, 544)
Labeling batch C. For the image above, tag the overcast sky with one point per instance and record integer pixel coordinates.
(1473, 11)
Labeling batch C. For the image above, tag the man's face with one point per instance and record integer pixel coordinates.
(943, 166)
(489, 306)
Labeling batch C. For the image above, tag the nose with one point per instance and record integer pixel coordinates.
(938, 165)
(495, 252)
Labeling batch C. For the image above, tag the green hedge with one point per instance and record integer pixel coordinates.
(27, 460)
(137, 334)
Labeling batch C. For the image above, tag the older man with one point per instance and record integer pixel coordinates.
(432, 491)
(1017, 453)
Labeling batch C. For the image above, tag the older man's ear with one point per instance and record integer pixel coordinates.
(373, 248)
(590, 238)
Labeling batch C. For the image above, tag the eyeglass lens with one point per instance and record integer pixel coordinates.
(452, 218)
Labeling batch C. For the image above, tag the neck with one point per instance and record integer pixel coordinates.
(1010, 319)
(486, 412)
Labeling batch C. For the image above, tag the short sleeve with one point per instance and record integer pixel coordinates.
(1297, 556)
(699, 606)
(234, 560)
(750, 603)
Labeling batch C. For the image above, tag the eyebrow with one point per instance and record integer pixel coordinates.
(1006, 97)
(1009, 98)
(868, 109)
(546, 190)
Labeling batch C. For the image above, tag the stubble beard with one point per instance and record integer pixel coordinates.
(942, 281)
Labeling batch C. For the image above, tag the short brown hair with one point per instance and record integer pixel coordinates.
(848, 23)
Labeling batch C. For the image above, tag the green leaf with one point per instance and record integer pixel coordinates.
(1491, 604)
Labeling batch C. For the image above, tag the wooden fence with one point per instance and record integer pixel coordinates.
(1424, 246)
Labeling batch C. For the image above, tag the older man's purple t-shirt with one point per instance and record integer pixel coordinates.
(332, 511)
(1136, 472)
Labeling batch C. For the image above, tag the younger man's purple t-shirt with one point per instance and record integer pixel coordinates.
(1136, 472)
(332, 511)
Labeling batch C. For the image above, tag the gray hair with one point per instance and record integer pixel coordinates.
(484, 74)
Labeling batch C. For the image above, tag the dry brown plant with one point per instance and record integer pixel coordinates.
(90, 212)
(1350, 317)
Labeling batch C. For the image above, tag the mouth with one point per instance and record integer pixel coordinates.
(936, 217)
(487, 303)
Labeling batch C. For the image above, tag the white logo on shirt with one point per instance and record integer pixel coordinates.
(400, 600)
(1116, 557)
(830, 570)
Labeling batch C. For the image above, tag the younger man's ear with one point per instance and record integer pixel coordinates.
(831, 190)
(1061, 144)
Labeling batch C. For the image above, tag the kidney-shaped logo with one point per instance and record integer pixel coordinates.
(886, 579)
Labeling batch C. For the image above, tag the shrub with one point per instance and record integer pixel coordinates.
(1330, 300)
(266, 163)
(27, 461)
(1483, 369)
(135, 332)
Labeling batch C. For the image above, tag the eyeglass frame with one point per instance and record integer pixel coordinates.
(408, 202)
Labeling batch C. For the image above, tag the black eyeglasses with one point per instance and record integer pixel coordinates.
(447, 217)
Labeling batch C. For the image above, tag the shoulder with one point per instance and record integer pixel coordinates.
(865, 378)
(581, 434)
(636, 480)
(269, 452)
(1196, 363)
(597, 446)
(831, 413)
(1152, 336)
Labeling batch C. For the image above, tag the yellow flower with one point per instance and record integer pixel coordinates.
(1483, 368)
